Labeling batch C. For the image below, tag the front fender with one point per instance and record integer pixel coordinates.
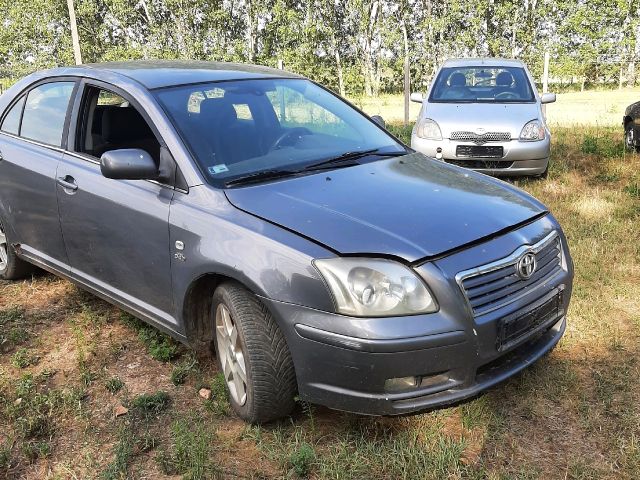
(217, 238)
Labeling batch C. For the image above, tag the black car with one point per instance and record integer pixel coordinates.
(630, 123)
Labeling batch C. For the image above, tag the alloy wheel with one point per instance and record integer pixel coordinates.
(629, 138)
(4, 252)
(231, 355)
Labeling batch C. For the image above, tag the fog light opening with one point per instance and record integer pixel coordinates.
(401, 384)
(439, 153)
(405, 384)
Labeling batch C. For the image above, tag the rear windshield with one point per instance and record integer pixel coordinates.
(482, 84)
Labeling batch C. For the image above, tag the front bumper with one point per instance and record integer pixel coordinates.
(343, 362)
(520, 158)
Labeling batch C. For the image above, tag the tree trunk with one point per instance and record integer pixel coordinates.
(620, 76)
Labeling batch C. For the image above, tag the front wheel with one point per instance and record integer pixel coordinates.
(11, 267)
(253, 356)
(630, 137)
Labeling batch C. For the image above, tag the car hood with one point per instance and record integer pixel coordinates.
(410, 207)
(492, 117)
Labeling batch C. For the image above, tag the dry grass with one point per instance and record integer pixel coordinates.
(574, 414)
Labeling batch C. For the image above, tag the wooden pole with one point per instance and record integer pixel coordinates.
(545, 79)
(407, 75)
(545, 73)
(74, 32)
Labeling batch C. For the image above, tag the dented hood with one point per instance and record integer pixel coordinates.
(410, 206)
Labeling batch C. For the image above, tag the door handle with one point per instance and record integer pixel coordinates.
(68, 183)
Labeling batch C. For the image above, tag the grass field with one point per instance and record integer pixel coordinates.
(70, 362)
(593, 108)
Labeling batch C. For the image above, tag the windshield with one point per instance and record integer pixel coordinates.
(482, 84)
(240, 128)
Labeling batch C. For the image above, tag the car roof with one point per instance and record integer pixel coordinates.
(165, 73)
(483, 61)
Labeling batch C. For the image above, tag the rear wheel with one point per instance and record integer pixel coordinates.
(252, 355)
(11, 267)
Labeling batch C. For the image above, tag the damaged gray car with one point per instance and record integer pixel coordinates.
(254, 214)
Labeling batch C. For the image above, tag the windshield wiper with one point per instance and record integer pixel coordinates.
(260, 176)
(349, 157)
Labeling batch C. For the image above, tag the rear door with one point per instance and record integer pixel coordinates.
(116, 231)
(31, 143)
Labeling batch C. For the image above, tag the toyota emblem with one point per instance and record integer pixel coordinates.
(526, 265)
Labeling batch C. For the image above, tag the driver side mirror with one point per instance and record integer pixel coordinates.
(548, 98)
(128, 164)
(379, 120)
(417, 97)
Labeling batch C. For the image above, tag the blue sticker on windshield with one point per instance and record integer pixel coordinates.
(220, 168)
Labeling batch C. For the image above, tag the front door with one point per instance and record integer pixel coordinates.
(31, 137)
(116, 231)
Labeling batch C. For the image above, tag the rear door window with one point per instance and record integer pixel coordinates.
(11, 122)
(45, 111)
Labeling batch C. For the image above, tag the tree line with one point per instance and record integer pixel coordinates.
(354, 46)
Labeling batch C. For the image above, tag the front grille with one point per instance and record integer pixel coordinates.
(481, 138)
(479, 151)
(497, 284)
(480, 164)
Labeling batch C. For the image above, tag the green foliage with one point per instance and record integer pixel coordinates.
(589, 145)
(402, 132)
(301, 459)
(12, 328)
(114, 385)
(34, 408)
(353, 46)
(36, 449)
(218, 404)
(190, 453)
(23, 358)
(5, 457)
(160, 346)
(602, 143)
(183, 369)
(152, 403)
(123, 452)
(633, 189)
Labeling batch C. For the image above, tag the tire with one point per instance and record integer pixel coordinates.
(11, 267)
(630, 142)
(260, 346)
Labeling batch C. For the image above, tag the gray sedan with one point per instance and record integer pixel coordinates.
(253, 214)
(485, 114)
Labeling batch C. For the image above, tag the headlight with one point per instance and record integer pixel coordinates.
(428, 129)
(532, 131)
(365, 287)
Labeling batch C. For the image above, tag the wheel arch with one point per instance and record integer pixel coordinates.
(197, 304)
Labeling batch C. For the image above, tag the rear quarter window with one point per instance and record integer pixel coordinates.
(11, 122)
